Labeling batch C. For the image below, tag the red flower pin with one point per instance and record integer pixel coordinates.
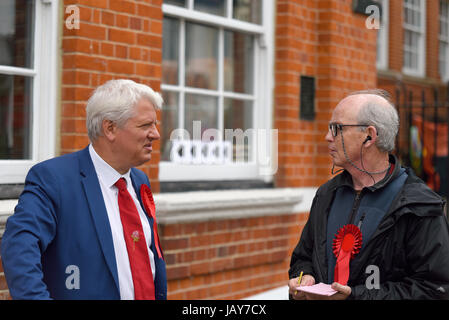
(346, 245)
(148, 203)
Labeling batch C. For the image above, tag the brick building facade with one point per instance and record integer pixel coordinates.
(223, 238)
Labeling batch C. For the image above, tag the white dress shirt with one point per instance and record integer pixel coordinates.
(108, 176)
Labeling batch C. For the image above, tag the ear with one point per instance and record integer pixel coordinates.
(371, 132)
(109, 129)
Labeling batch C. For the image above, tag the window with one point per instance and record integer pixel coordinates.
(382, 36)
(414, 37)
(444, 40)
(217, 57)
(27, 46)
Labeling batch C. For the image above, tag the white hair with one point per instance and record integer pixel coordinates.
(381, 114)
(115, 101)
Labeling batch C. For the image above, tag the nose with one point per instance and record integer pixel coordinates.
(154, 133)
(329, 137)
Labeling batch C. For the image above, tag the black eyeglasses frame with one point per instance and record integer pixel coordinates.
(334, 127)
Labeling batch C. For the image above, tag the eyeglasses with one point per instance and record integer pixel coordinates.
(334, 127)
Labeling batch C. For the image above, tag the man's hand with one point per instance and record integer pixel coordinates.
(307, 280)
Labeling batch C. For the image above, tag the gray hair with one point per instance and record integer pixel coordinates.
(115, 101)
(382, 115)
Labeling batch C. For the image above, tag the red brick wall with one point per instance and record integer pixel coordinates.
(116, 39)
(396, 35)
(229, 259)
(326, 40)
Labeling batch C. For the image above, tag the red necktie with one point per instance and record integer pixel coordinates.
(136, 244)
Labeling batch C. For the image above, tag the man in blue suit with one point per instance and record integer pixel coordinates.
(67, 238)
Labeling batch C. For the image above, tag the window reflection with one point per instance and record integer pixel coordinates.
(238, 119)
(238, 64)
(16, 33)
(201, 56)
(170, 51)
(200, 108)
(248, 10)
(169, 122)
(15, 117)
(217, 7)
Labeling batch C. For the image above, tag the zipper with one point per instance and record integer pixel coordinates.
(355, 207)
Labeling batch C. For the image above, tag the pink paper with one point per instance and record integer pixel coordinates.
(320, 288)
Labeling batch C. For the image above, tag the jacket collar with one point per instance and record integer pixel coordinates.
(95, 200)
(345, 178)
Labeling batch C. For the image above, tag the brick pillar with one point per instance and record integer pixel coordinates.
(396, 36)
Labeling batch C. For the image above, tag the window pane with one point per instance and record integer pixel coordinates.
(15, 117)
(248, 10)
(181, 3)
(238, 63)
(442, 59)
(238, 114)
(169, 122)
(200, 108)
(16, 33)
(217, 7)
(170, 51)
(201, 56)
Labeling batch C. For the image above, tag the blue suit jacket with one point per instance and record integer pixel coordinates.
(61, 221)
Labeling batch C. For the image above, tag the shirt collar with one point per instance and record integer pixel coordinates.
(394, 163)
(107, 174)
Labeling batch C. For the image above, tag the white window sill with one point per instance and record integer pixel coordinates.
(184, 207)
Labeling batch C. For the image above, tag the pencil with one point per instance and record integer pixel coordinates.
(299, 281)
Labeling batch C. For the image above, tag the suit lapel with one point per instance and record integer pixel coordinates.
(95, 200)
(136, 186)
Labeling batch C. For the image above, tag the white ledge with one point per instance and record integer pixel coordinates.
(184, 207)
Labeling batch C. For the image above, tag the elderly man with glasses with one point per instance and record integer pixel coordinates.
(375, 230)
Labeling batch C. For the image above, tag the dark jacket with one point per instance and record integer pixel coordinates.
(410, 246)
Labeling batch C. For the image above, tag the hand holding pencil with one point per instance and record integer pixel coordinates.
(302, 280)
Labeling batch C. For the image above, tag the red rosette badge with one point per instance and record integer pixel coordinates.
(346, 245)
(148, 203)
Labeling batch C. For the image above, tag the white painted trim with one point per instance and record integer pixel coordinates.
(211, 19)
(185, 207)
(17, 71)
(262, 96)
(444, 41)
(44, 76)
(382, 61)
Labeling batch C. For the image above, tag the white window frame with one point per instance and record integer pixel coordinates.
(43, 134)
(383, 36)
(262, 111)
(444, 42)
(420, 70)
